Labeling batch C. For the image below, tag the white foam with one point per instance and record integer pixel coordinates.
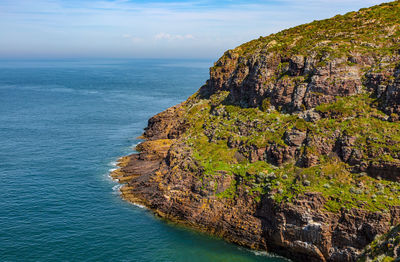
(107, 177)
(261, 253)
(113, 163)
(117, 189)
(266, 254)
(112, 169)
(133, 146)
(111, 178)
(138, 205)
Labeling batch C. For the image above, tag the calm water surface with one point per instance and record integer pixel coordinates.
(62, 125)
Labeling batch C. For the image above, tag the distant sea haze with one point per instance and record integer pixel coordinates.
(63, 124)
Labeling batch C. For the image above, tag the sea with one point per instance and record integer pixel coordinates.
(63, 125)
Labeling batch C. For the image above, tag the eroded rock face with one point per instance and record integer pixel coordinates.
(386, 86)
(165, 125)
(249, 80)
(308, 83)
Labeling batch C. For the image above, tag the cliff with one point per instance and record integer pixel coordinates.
(292, 145)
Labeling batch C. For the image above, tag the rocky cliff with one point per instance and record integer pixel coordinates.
(292, 145)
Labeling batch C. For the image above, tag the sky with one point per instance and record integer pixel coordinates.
(150, 29)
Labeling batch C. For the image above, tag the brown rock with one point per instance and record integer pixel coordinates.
(294, 137)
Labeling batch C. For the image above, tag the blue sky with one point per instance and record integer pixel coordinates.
(149, 29)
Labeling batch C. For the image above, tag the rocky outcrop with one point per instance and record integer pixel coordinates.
(384, 248)
(166, 125)
(317, 235)
(300, 82)
(172, 188)
(291, 146)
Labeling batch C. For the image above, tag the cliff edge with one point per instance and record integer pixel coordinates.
(292, 146)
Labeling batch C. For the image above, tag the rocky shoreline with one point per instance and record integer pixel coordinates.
(297, 230)
(141, 175)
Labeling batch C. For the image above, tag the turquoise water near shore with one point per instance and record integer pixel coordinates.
(63, 124)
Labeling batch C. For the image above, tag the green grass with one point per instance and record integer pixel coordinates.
(337, 36)
(209, 135)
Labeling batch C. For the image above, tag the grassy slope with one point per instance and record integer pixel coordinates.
(331, 177)
(370, 30)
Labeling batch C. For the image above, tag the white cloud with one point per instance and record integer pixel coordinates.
(167, 36)
(133, 39)
(189, 36)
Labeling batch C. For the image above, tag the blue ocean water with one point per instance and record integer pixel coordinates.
(62, 125)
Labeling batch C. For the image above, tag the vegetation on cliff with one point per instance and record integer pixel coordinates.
(223, 137)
